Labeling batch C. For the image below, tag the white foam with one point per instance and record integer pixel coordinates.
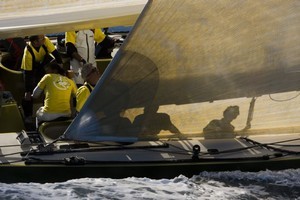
(207, 185)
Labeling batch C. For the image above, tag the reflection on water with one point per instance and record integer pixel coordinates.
(207, 185)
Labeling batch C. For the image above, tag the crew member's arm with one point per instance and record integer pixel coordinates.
(70, 46)
(40, 87)
(51, 48)
(57, 56)
(37, 92)
(27, 66)
(28, 77)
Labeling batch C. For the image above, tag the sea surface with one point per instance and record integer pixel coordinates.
(207, 185)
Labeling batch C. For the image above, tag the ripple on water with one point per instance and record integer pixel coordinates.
(207, 185)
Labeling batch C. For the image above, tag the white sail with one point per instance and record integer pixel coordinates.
(30, 17)
(183, 55)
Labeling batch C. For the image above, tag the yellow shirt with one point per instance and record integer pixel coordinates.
(58, 91)
(38, 55)
(98, 36)
(81, 96)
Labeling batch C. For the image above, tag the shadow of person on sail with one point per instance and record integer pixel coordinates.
(114, 104)
(149, 124)
(115, 124)
(222, 128)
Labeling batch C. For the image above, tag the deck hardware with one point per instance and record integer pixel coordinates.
(196, 151)
(213, 151)
(23, 138)
(42, 148)
(266, 157)
(278, 155)
(74, 160)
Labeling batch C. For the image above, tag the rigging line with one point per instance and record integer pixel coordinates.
(106, 144)
(283, 100)
(93, 149)
(15, 145)
(287, 145)
(97, 144)
(235, 150)
(219, 152)
(60, 138)
(267, 145)
(209, 153)
(271, 143)
(9, 154)
(26, 156)
(180, 148)
(243, 148)
(11, 145)
(283, 150)
(252, 151)
(11, 162)
(183, 152)
(14, 153)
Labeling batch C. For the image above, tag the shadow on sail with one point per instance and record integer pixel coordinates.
(193, 64)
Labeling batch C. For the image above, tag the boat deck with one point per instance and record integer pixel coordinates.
(149, 151)
(153, 159)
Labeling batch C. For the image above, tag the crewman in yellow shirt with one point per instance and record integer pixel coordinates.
(90, 75)
(36, 56)
(58, 90)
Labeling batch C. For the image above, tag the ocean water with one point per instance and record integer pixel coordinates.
(207, 185)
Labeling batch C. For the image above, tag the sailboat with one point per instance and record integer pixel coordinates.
(183, 65)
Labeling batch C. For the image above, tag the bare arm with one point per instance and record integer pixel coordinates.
(37, 92)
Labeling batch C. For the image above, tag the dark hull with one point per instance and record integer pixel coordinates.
(58, 173)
